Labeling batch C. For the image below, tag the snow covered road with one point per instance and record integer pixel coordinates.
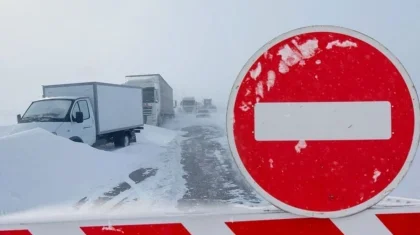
(210, 176)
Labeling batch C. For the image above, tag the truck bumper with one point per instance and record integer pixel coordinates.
(138, 129)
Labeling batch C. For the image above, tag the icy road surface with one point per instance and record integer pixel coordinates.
(211, 174)
(212, 178)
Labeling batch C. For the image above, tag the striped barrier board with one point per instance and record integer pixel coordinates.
(392, 219)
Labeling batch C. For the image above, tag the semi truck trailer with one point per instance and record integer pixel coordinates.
(158, 101)
(93, 113)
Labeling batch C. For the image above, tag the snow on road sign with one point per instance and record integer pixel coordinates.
(323, 121)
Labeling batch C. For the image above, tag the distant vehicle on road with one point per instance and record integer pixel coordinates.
(93, 113)
(188, 104)
(213, 109)
(203, 113)
(158, 100)
(207, 104)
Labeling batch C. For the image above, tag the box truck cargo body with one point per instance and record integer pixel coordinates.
(92, 113)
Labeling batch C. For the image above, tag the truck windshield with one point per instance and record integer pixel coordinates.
(47, 111)
(149, 95)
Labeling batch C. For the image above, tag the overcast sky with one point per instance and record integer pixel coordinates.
(198, 46)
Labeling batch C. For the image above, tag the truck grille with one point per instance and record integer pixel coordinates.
(147, 111)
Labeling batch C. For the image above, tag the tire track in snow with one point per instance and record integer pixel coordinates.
(120, 190)
(210, 175)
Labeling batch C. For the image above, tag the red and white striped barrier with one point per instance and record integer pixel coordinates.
(392, 217)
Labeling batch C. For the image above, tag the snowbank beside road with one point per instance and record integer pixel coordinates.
(162, 191)
(157, 135)
(40, 169)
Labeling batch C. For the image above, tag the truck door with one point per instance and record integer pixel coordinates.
(86, 129)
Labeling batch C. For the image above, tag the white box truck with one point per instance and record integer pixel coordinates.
(158, 99)
(93, 113)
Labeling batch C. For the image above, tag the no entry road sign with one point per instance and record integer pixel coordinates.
(323, 121)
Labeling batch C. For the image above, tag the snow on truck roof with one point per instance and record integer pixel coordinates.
(143, 77)
(61, 98)
(89, 83)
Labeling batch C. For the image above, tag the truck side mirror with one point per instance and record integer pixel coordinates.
(19, 118)
(79, 117)
(175, 103)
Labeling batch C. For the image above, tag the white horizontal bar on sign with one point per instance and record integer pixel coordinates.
(55, 228)
(322, 121)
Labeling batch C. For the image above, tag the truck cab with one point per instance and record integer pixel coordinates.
(189, 104)
(151, 106)
(69, 117)
(209, 105)
(158, 103)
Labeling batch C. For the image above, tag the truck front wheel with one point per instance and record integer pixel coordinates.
(76, 139)
(126, 140)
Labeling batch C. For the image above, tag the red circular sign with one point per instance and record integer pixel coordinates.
(323, 121)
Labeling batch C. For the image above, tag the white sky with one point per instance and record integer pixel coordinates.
(198, 46)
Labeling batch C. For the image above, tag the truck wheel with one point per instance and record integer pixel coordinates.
(133, 137)
(76, 139)
(122, 140)
(126, 140)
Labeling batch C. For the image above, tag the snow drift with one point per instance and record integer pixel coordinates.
(5, 130)
(41, 169)
(157, 135)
